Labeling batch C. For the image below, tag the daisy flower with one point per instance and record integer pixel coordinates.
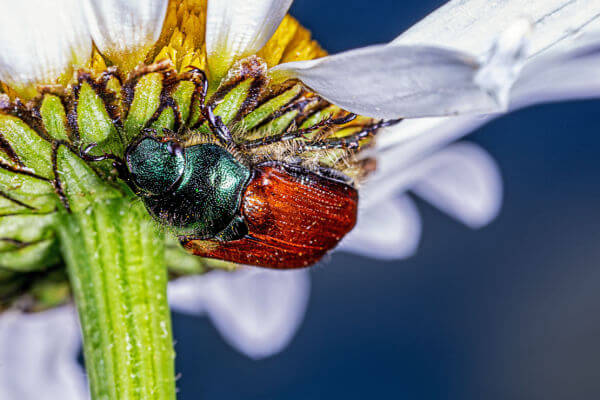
(87, 85)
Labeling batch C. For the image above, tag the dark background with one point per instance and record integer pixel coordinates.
(511, 311)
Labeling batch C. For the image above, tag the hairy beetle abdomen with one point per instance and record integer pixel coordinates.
(294, 218)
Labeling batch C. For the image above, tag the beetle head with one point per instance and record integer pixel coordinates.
(155, 165)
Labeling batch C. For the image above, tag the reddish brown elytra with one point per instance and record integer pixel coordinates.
(293, 219)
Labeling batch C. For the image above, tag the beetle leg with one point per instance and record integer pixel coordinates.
(285, 136)
(198, 77)
(200, 81)
(217, 126)
(84, 153)
(118, 163)
(349, 142)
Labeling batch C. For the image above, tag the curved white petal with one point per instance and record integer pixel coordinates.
(38, 356)
(237, 28)
(40, 40)
(569, 71)
(505, 60)
(462, 180)
(257, 311)
(563, 66)
(401, 148)
(473, 25)
(390, 230)
(395, 81)
(124, 30)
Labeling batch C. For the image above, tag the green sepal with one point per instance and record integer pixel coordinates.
(165, 120)
(54, 117)
(81, 185)
(261, 113)
(232, 102)
(28, 194)
(146, 101)
(181, 262)
(319, 116)
(33, 151)
(49, 290)
(183, 98)
(31, 257)
(95, 125)
(25, 228)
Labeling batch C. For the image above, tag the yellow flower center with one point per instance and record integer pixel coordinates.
(182, 40)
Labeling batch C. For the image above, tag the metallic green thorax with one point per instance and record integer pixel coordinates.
(196, 190)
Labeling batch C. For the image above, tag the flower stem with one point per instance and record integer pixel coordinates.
(116, 264)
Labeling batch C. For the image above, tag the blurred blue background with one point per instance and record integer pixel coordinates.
(511, 311)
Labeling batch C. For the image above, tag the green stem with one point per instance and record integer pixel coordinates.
(116, 264)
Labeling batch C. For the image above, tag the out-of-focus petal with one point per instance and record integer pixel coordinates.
(124, 30)
(473, 25)
(237, 28)
(41, 41)
(38, 356)
(389, 231)
(463, 181)
(401, 148)
(257, 311)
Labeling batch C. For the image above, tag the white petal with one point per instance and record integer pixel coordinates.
(402, 147)
(40, 40)
(125, 27)
(391, 230)
(237, 28)
(463, 181)
(474, 25)
(569, 71)
(397, 81)
(505, 61)
(38, 356)
(257, 311)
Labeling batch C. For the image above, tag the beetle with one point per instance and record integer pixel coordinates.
(273, 213)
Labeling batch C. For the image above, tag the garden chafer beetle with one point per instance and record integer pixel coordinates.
(248, 201)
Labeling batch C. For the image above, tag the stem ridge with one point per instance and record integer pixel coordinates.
(113, 254)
